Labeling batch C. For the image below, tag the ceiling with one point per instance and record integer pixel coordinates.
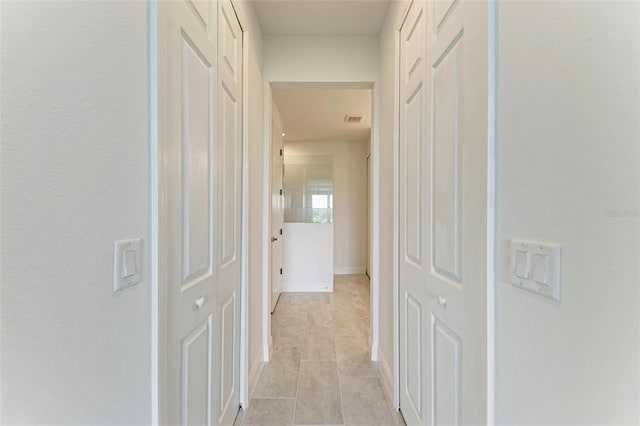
(318, 114)
(321, 17)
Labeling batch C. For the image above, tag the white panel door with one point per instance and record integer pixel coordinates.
(455, 237)
(188, 143)
(413, 218)
(457, 123)
(228, 237)
(200, 51)
(277, 205)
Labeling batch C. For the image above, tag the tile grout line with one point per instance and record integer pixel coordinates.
(295, 402)
(275, 397)
(344, 421)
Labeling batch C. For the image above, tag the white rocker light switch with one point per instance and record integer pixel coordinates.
(127, 263)
(536, 267)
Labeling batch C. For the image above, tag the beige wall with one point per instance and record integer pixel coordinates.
(310, 59)
(349, 199)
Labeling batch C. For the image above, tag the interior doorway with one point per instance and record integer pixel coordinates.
(327, 191)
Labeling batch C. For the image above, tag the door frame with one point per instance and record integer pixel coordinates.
(157, 184)
(369, 254)
(492, 49)
(269, 85)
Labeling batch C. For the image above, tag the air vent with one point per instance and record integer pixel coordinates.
(353, 119)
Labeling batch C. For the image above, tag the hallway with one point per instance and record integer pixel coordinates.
(320, 370)
(164, 163)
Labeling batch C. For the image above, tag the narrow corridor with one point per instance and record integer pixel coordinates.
(320, 370)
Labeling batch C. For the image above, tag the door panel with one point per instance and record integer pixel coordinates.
(414, 355)
(187, 102)
(228, 362)
(446, 171)
(229, 166)
(196, 386)
(446, 373)
(228, 187)
(413, 218)
(202, 10)
(197, 87)
(230, 42)
(443, 152)
(457, 124)
(413, 176)
(441, 10)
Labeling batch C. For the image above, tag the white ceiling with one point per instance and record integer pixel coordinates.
(318, 114)
(321, 17)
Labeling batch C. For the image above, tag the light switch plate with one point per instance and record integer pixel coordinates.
(127, 263)
(541, 274)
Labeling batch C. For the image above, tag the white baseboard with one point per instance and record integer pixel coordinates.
(254, 374)
(350, 270)
(374, 350)
(386, 376)
(299, 287)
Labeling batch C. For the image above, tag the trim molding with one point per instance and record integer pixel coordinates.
(396, 210)
(311, 286)
(254, 375)
(374, 350)
(244, 270)
(386, 376)
(157, 357)
(350, 270)
(267, 99)
(492, 90)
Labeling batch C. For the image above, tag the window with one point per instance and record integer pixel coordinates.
(320, 201)
(308, 189)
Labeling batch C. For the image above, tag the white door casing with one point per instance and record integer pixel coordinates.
(452, 277)
(199, 171)
(369, 215)
(277, 204)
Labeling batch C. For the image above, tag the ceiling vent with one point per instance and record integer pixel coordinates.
(353, 119)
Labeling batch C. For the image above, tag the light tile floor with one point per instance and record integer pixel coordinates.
(320, 370)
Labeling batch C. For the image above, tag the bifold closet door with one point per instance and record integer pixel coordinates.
(443, 213)
(200, 106)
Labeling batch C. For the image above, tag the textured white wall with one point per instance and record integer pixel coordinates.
(567, 157)
(349, 198)
(74, 179)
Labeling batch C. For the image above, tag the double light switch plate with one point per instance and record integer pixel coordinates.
(535, 267)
